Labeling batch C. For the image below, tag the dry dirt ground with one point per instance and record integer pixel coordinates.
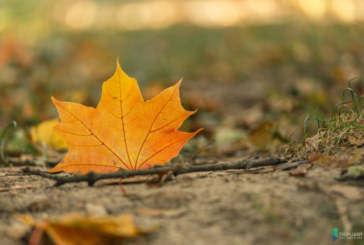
(228, 207)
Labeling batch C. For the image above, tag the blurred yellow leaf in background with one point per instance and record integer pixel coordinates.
(43, 133)
(77, 229)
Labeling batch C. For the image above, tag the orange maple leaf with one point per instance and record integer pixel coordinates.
(124, 131)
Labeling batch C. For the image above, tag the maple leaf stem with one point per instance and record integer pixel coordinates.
(122, 121)
(92, 177)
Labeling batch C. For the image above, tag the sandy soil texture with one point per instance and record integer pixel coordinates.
(229, 207)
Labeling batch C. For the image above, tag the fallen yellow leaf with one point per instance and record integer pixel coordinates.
(76, 229)
(123, 131)
(44, 133)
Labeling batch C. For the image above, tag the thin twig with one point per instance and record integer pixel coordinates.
(92, 177)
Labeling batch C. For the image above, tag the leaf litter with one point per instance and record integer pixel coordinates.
(269, 213)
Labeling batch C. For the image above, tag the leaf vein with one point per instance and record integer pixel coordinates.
(156, 153)
(68, 132)
(151, 126)
(102, 142)
(122, 121)
(152, 131)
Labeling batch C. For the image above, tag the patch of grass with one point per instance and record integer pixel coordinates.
(343, 131)
(345, 126)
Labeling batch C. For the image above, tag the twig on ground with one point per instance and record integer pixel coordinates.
(92, 177)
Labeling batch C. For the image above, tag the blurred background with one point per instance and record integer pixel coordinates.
(254, 68)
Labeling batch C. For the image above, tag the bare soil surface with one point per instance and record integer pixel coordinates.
(229, 207)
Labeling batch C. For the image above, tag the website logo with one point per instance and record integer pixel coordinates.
(334, 234)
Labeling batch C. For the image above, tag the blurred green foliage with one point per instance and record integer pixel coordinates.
(300, 66)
